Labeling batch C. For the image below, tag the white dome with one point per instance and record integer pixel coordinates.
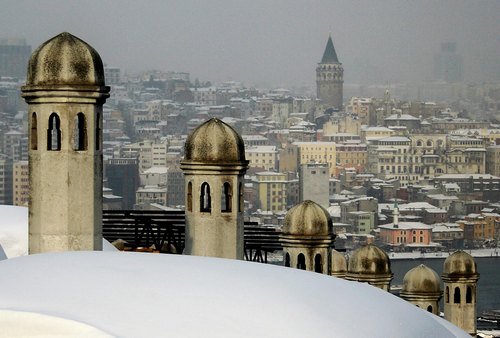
(28, 324)
(141, 295)
(14, 230)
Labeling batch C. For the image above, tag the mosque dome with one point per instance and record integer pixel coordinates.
(460, 263)
(336, 305)
(421, 279)
(65, 60)
(339, 264)
(369, 260)
(307, 219)
(214, 142)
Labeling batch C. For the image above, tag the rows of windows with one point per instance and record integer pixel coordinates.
(457, 298)
(301, 262)
(80, 141)
(206, 197)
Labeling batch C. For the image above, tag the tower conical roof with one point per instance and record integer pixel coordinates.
(329, 56)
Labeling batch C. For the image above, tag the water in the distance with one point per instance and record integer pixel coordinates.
(488, 289)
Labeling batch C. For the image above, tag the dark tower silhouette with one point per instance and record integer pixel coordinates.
(330, 77)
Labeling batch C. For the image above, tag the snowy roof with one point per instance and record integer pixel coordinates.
(394, 139)
(406, 226)
(152, 189)
(260, 149)
(111, 292)
(401, 117)
(442, 197)
(377, 129)
(156, 170)
(445, 228)
(465, 176)
(14, 233)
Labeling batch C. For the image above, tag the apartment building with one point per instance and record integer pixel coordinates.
(265, 157)
(297, 153)
(271, 191)
(20, 183)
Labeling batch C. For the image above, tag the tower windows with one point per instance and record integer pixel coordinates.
(429, 308)
(447, 296)
(226, 197)
(80, 133)
(240, 197)
(205, 199)
(318, 263)
(98, 132)
(34, 132)
(190, 197)
(287, 259)
(54, 133)
(301, 262)
(456, 296)
(468, 295)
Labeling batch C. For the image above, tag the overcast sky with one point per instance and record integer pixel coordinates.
(266, 42)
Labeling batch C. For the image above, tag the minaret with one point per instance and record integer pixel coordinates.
(65, 91)
(307, 237)
(395, 215)
(214, 165)
(330, 77)
(422, 287)
(460, 278)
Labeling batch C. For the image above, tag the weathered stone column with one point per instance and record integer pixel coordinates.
(65, 91)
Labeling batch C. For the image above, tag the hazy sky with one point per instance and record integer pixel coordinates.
(268, 42)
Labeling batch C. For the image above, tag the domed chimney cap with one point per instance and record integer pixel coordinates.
(307, 219)
(65, 60)
(421, 279)
(369, 260)
(460, 263)
(214, 142)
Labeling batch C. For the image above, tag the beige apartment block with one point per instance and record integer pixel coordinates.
(493, 160)
(271, 191)
(20, 183)
(319, 152)
(363, 108)
(265, 157)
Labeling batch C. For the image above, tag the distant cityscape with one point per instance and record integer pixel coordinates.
(429, 151)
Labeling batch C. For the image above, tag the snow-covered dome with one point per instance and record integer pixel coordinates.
(460, 263)
(14, 232)
(307, 219)
(369, 260)
(65, 60)
(421, 280)
(22, 324)
(111, 292)
(214, 142)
